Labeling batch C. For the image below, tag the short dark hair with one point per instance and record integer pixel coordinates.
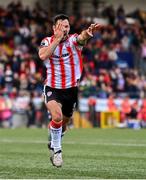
(60, 17)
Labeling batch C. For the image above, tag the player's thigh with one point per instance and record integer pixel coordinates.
(70, 102)
(68, 109)
(55, 109)
(52, 102)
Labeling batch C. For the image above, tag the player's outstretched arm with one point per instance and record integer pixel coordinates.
(46, 51)
(88, 33)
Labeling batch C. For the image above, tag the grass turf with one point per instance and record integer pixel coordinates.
(87, 154)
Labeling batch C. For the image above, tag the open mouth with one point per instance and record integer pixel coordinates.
(65, 35)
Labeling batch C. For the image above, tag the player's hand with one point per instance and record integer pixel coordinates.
(59, 31)
(93, 28)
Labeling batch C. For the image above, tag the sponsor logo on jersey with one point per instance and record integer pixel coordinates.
(63, 55)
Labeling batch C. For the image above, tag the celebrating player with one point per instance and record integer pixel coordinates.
(61, 54)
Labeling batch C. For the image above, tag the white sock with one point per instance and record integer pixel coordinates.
(56, 138)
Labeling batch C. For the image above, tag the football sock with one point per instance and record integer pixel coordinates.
(62, 134)
(55, 132)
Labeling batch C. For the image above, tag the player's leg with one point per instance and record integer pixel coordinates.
(56, 122)
(64, 128)
(55, 130)
(51, 97)
(65, 122)
(68, 107)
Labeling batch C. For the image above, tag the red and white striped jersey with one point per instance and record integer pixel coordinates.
(65, 66)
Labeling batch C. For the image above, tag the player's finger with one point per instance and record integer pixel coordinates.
(89, 31)
(59, 25)
(98, 26)
(61, 28)
(92, 26)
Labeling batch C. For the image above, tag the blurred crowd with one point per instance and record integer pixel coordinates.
(132, 112)
(114, 60)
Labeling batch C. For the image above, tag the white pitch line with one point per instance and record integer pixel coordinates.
(108, 144)
(73, 142)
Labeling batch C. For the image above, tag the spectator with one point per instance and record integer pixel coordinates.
(142, 114)
(111, 104)
(20, 110)
(37, 102)
(143, 56)
(125, 109)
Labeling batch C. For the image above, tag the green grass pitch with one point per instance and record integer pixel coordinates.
(87, 154)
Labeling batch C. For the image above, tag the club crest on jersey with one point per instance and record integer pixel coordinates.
(49, 93)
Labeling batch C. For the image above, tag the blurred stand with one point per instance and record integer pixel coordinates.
(114, 60)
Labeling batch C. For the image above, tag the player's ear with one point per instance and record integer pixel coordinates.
(54, 27)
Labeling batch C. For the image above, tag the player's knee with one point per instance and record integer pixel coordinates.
(57, 116)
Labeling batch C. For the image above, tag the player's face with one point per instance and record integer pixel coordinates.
(66, 28)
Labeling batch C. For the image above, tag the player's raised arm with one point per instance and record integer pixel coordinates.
(88, 33)
(46, 50)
